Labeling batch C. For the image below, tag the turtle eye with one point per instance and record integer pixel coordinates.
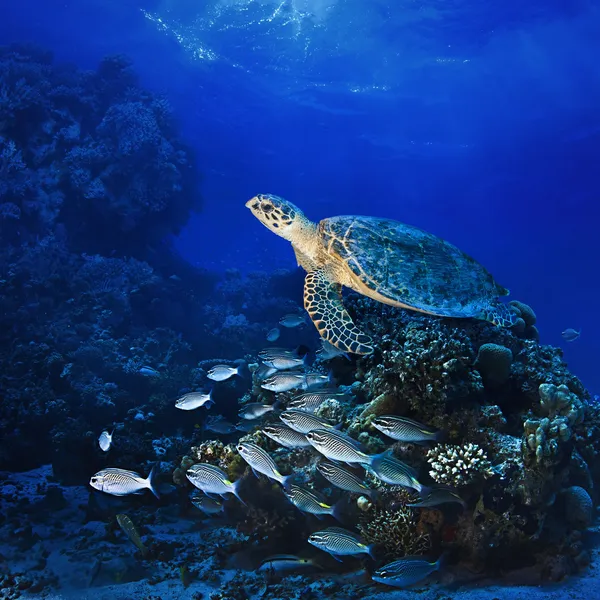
(267, 208)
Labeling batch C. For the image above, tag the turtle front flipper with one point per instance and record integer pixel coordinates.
(323, 302)
(500, 315)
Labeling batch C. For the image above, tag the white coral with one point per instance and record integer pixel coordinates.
(458, 465)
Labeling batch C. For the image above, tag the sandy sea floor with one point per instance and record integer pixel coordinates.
(49, 537)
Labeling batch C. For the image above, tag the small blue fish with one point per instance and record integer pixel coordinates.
(273, 334)
(292, 320)
(570, 335)
(148, 372)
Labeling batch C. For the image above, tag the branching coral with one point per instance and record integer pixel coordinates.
(458, 465)
(395, 532)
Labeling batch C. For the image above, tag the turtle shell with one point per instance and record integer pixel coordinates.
(406, 266)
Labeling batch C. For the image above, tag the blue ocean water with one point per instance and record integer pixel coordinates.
(477, 122)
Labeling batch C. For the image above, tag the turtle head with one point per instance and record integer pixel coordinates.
(277, 214)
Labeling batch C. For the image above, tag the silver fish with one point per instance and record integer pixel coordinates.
(282, 563)
(223, 372)
(317, 380)
(255, 410)
(212, 480)
(194, 400)
(275, 351)
(570, 335)
(406, 571)
(292, 320)
(328, 351)
(273, 334)
(285, 381)
(402, 429)
(260, 462)
(339, 542)
(309, 501)
(310, 401)
(149, 371)
(285, 362)
(263, 372)
(289, 380)
(285, 436)
(120, 482)
(336, 446)
(303, 422)
(438, 495)
(209, 506)
(219, 424)
(394, 472)
(344, 479)
(246, 426)
(105, 440)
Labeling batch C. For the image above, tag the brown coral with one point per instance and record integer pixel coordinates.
(395, 533)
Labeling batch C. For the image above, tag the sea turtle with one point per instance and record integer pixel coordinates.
(385, 260)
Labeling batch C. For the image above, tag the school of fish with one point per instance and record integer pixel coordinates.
(294, 425)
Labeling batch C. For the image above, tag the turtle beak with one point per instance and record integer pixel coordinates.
(251, 202)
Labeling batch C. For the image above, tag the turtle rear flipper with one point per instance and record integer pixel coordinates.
(500, 315)
(323, 302)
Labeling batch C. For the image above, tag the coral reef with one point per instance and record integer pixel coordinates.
(458, 465)
(493, 362)
(395, 533)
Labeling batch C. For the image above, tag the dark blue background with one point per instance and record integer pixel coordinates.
(475, 121)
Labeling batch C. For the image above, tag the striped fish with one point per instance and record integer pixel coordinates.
(339, 447)
(310, 401)
(339, 542)
(212, 480)
(120, 482)
(344, 479)
(406, 571)
(303, 422)
(436, 496)
(260, 462)
(402, 429)
(285, 436)
(130, 530)
(284, 362)
(209, 506)
(255, 410)
(310, 502)
(394, 472)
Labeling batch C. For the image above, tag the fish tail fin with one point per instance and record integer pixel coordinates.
(440, 436)
(424, 490)
(346, 356)
(373, 495)
(242, 369)
(371, 551)
(236, 491)
(331, 379)
(336, 510)
(277, 404)
(375, 459)
(151, 481)
(286, 481)
(440, 563)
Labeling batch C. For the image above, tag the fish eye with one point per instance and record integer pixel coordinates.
(240, 447)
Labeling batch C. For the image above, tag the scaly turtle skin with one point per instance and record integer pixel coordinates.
(385, 260)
